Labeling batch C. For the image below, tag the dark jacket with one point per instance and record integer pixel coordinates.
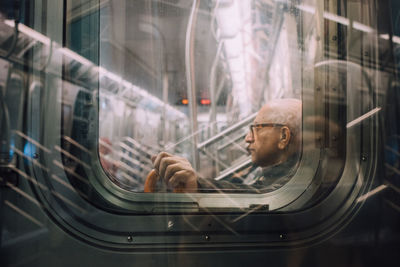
(261, 180)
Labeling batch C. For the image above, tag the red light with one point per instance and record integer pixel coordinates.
(185, 101)
(205, 101)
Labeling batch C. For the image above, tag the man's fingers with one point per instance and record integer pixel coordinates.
(183, 181)
(175, 171)
(158, 159)
(177, 179)
(166, 162)
(171, 170)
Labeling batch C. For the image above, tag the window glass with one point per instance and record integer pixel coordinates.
(251, 101)
(189, 79)
(186, 125)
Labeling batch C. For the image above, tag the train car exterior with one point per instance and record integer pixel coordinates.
(94, 92)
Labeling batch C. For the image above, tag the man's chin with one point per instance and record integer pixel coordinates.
(260, 163)
(254, 161)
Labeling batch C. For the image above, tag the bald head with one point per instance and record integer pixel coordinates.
(282, 111)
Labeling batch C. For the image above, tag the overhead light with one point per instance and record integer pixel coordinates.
(30, 32)
(113, 76)
(385, 36)
(396, 39)
(232, 21)
(46, 40)
(336, 18)
(306, 8)
(362, 27)
(75, 56)
(127, 84)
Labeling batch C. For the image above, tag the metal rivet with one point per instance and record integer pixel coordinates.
(130, 239)
(282, 236)
(363, 158)
(207, 237)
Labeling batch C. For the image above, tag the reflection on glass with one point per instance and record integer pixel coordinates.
(189, 79)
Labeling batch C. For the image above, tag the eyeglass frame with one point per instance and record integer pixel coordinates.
(263, 125)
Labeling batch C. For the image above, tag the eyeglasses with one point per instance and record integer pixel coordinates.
(262, 125)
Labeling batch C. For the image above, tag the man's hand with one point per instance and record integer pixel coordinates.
(176, 172)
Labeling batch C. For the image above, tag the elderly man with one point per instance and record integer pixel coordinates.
(274, 141)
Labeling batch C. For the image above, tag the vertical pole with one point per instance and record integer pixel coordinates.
(165, 100)
(191, 83)
(214, 99)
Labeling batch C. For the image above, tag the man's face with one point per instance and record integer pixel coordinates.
(263, 141)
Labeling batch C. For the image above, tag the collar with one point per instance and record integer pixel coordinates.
(282, 169)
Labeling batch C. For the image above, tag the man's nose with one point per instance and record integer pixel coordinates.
(249, 138)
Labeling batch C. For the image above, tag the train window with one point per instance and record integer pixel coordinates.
(187, 81)
(229, 104)
(209, 104)
(190, 126)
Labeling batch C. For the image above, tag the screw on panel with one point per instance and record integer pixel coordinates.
(130, 239)
(363, 158)
(207, 237)
(170, 225)
(282, 236)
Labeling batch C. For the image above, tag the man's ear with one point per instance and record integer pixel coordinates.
(285, 136)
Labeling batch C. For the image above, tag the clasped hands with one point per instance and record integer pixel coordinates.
(176, 172)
